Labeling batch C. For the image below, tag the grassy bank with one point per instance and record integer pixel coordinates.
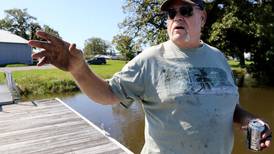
(44, 83)
(240, 73)
(53, 81)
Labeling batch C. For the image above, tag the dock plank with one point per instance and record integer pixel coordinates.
(50, 126)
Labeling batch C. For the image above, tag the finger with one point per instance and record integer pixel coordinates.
(73, 50)
(43, 61)
(267, 143)
(262, 145)
(39, 44)
(47, 36)
(39, 54)
(72, 47)
(266, 135)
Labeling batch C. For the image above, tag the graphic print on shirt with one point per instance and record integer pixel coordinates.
(203, 80)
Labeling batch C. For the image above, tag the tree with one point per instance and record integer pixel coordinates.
(232, 26)
(33, 28)
(145, 22)
(246, 26)
(95, 46)
(4, 24)
(18, 22)
(126, 46)
(263, 48)
(51, 31)
(21, 23)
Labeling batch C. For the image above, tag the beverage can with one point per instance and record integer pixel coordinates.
(254, 134)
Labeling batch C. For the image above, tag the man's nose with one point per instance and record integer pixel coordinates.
(179, 17)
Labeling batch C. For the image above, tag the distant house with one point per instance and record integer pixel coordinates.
(14, 49)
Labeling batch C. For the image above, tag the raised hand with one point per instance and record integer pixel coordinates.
(57, 52)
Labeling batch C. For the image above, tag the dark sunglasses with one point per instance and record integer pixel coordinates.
(186, 11)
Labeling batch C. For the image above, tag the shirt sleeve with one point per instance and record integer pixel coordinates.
(230, 75)
(128, 84)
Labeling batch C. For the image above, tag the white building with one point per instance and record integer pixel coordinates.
(14, 49)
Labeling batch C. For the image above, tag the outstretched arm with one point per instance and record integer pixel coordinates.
(67, 57)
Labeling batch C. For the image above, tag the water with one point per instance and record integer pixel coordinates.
(127, 125)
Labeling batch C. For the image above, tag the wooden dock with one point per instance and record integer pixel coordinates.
(50, 127)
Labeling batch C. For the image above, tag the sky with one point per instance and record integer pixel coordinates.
(75, 20)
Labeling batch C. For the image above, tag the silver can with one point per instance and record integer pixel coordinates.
(254, 134)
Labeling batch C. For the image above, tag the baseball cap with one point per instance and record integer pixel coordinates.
(199, 3)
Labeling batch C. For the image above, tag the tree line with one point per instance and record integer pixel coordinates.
(21, 23)
(233, 26)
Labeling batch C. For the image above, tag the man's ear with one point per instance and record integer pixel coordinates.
(203, 18)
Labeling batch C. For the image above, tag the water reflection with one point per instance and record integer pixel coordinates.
(127, 126)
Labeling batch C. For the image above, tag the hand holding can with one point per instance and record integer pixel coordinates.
(258, 135)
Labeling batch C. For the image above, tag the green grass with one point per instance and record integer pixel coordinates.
(236, 64)
(16, 65)
(2, 78)
(239, 73)
(106, 71)
(43, 82)
(55, 81)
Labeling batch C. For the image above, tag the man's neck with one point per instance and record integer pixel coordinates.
(188, 45)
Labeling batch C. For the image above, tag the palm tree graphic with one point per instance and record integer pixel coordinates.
(202, 78)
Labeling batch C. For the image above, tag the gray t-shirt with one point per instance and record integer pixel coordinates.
(188, 96)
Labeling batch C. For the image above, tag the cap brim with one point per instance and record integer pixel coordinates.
(165, 5)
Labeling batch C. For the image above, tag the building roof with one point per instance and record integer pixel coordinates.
(8, 37)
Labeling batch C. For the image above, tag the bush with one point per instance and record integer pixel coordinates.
(239, 75)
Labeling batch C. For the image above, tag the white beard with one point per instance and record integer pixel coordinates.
(187, 37)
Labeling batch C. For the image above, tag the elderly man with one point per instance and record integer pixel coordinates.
(184, 85)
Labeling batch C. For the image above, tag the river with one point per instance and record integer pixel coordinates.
(127, 125)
